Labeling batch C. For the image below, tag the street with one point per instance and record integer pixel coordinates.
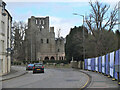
(52, 78)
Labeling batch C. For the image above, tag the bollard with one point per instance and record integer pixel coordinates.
(118, 78)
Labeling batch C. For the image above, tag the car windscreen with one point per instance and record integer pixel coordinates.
(30, 64)
(38, 66)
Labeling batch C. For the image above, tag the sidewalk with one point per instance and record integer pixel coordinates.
(16, 71)
(100, 81)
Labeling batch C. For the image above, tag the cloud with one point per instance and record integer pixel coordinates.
(109, 1)
(63, 24)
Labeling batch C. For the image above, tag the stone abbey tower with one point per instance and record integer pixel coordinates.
(41, 43)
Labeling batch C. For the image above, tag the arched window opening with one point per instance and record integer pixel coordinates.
(47, 40)
(46, 58)
(52, 58)
(62, 58)
(59, 58)
(58, 50)
(41, 40)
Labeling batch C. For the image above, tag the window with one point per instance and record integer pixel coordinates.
(47, 40)
(43, 22)
(41, 40)
(58, 50)
(36, 21)
(3, 10)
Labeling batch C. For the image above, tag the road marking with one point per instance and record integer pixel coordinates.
(86, 82)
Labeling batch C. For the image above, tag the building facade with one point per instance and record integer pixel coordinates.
(5, 39)
(119, 15)
(41, 43)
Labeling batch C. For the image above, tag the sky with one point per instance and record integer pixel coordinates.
(60, 12)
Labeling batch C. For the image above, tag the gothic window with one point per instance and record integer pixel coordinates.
(59, 58)
(46, 58)
(62, 58)
(52, 58)
(58, 50)
(41, 40)
(43, 22)
(36, 21)
(47, 40)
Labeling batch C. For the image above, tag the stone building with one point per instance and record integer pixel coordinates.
(41, 43)
(5, 39)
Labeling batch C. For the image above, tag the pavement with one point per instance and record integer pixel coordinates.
(16, 71)
(100, 81)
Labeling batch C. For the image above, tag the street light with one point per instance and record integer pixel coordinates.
(83, 33)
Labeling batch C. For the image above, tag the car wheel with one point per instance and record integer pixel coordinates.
(33, 72)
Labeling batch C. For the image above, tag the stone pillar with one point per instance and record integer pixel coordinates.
(74, 64)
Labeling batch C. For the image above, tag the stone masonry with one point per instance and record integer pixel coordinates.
(41, 43)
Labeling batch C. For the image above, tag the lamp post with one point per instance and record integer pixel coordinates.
(83, 33)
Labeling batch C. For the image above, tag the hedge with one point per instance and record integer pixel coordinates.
(44, 62)
(56, 61)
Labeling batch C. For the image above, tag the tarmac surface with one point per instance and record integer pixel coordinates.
(56, 78)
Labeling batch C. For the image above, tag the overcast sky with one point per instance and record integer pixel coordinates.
(60, 12)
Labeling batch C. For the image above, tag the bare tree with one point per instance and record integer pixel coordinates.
(19, 29)
(98, 21)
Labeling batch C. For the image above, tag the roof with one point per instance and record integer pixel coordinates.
(8, 13)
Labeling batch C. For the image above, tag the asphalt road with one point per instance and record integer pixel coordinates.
(52, 78)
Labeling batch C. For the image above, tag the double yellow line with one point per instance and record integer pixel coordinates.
(86, 82)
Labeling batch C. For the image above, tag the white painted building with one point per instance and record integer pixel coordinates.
(5, 39)
(119, 15)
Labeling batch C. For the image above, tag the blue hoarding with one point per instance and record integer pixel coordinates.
(93, 64)
(86, 65)
(103, 64)
(116, 63)
(100, 64)
(111, 63)
(89, 64)
(107, 64)
(96, 64)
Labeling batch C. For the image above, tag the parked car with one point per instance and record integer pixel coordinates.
(29, 67)
(38, 67)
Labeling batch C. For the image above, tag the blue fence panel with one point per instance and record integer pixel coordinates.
(93, 64)
(99, 64)
(107, 64)
(111, 63)
(116, 63)
(89, 64)
(96, 64)
(103, 64)
(119, 63)
(86, 64)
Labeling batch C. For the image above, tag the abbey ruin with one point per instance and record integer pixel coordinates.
(41, 43)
